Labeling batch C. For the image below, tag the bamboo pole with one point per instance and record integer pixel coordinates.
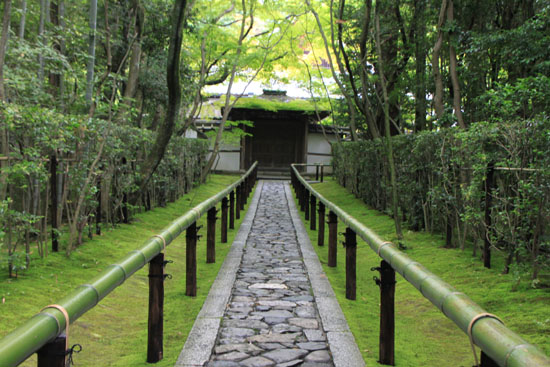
(497, 341)
(46, 325)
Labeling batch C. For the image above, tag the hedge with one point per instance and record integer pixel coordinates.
(442, 181)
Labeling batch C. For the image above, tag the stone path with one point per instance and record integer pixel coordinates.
(271, 319)
(271, 304)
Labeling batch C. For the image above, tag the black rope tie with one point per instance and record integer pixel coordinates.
(76, 348)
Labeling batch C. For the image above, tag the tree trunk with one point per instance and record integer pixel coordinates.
(4, 131)
(389, 146)
(164, 132)
(8, 241)
(438, 95)
(135, 61)
(62, 47)
(332, 68)
(535, 252)
(22, 19)
(339, 53)
(26, 198)
(364, 105)
(57, 13)
(75, 224)
(245, 30)
(454, 73)
(41, 26)
(3, 45)
(4, 164)
(420, 56)
(91, 52)
(392, 65)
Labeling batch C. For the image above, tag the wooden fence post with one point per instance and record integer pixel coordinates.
(306, 201)
(317, 173)
(232, 210)
(156, 309)
(332, 238)
(191, 260)
(243, 195)
(54, 204)
(486, 361)
(312, 214)
(387, 313)
(322, 173)
(224, 221)
(302, 196)
(251, 182)
(351, 254)
(238, 203)
(211, 236)
(321, 232)
(54, 353)
(246, 183)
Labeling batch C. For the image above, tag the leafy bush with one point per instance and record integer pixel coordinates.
(442, 179)
(37, 136)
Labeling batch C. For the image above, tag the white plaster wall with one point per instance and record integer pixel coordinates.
(228, 160)
(191, 134)
(316, 143)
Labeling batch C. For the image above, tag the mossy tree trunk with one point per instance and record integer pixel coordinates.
(389, 146)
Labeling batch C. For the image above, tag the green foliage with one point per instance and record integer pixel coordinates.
(42, 133)
(21, 76)
(524, 98)
(441, 179)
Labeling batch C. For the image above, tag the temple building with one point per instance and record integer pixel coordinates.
(274, 130)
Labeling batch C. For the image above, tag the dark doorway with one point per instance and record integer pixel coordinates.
(278, 138)
(276, 144)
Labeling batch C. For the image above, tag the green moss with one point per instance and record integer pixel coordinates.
(273, 105)
(424, 336)
(114, 333)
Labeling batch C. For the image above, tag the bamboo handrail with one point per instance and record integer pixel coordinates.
(497, 341)
(45, 326)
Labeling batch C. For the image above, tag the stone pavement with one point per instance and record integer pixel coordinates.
(271, 317)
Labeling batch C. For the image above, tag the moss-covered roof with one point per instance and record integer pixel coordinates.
(275, 104)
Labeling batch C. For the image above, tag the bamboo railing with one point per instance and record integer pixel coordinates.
(499, 345)
(43, 333)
